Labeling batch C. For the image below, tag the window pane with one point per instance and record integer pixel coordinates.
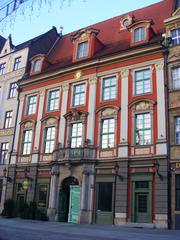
(139, 34)
(109, 88)
(4, 152)
(82, 50)
(175, 36)
(53, 100)
(177, 130)
(76, 135)
(143, 129)
(176, 78)
(31, 105)
(79, 94)
(142, 81)
(108, 133)
(26, 143)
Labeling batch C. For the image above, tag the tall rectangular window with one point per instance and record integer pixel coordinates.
(139, 34)
(175, 36)
(107, 133)
(31, 105)
(42, 195)
(26, 142)
(79, 94)
(176, 78)
(178, 192)
(143, 129)
(49, 139)
(53, 100)
(4, 152)
(109, 88)
(8, 119)
(17, 63)
(2, 68)
(12, 90)
(82, 49)
(177, 130)
(142, 81)
(76, 135)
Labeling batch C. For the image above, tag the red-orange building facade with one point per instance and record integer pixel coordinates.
(91, 127)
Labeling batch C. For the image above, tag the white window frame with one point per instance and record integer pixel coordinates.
(48, 100)
(72, 95)
(27, 104)
(26, 146)
(79, 56)
(102, 84)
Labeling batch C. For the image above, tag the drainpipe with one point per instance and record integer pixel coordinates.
(166, 52)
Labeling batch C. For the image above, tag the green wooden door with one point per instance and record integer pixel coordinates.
(74, 204)
(104, 203)
(142, 207)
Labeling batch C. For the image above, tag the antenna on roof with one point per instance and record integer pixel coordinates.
(61, 28)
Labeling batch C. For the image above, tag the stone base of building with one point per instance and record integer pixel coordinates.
(51, 213)
(120, 219)
(161, 221)
(85, 217)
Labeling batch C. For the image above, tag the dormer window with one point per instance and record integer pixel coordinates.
(125, 23)
(139, 34)
(82, 50)
(175, 36)
(37, 65)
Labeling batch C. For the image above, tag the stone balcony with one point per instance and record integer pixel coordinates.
(86, 153)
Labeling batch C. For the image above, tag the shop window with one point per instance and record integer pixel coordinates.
(26, 142)
(177, 130)
(109, 88)
(42, 195)
(175, 36)
(79, 92)
(8, 119)
(178, 192)
(53, 100)
(143, 129)
(104, 190)
(76, 135)
(108, 133)
(142, 81)
(176, 78)
(31, 104)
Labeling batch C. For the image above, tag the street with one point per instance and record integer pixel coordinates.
(17, 229)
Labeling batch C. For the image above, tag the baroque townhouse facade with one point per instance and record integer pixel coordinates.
(173, 61)
(90, 143)
(13, 64)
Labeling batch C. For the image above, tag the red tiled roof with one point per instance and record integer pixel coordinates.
(109, 34)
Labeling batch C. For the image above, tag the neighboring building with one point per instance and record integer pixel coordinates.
(90, 143)
(13, 64)
(173, 32)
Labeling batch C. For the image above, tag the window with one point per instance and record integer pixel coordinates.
(175, 34)
(12, 90)
(76, 135)
(2, 68)
(104, 198)
(31, 105)
(178, 192)
(4, 152)
(82, 50)
(177, 130)
(8, 119)
(17, 62)
(37, 65)
(79, 94)
(109, 88)
(143, 129)
(49, 140)
(139, 34)
(176, 78)
(42, 195)
(53, 100)
(142, 81)
(107, 133)
(26, 142)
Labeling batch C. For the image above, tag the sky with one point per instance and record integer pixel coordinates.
(72, 16)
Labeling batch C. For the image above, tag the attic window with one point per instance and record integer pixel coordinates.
(82, 49)
(37, 65)
(139, 34)
(125, 22)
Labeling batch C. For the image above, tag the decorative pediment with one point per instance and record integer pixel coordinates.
(76, 115)
(145, 22)
(50, 120)
(108, 110)
(142, 105)
(125, 21)
(84, 34)
(8, 47)
(176, 13)
(28, 124)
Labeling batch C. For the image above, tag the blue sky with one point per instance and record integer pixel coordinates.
(78, 14)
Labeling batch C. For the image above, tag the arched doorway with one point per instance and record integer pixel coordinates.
(69, 200)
